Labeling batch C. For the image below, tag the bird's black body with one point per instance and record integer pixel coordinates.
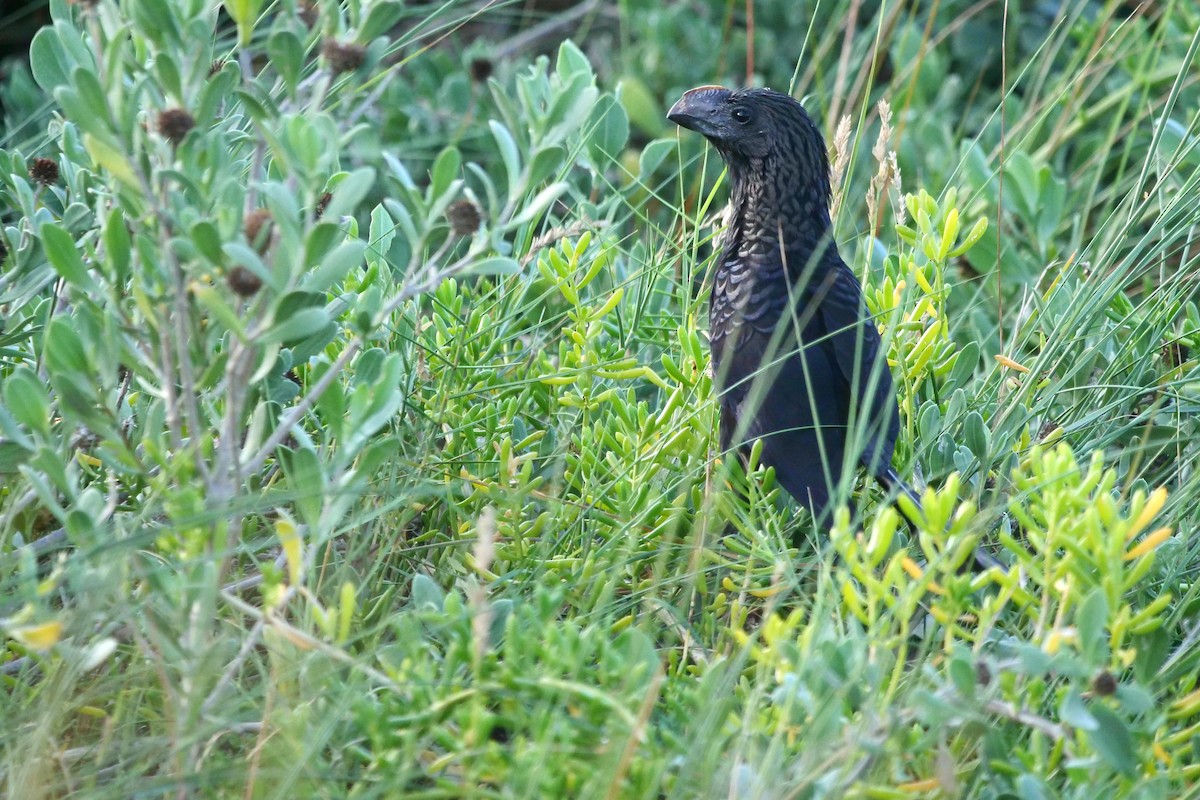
(796, 359)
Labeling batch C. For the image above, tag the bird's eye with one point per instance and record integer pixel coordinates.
(741, 115)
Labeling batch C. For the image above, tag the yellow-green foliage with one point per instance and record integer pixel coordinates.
(1076, 599)
(910, 298)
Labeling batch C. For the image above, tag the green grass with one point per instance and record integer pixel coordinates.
(439, 514)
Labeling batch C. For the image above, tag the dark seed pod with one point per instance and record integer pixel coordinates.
(44, 171)
(257, 227)
(481, 69)
(465, 217)
(174, 124)
(308, 13)
(243, 282)
(343, 56)
(1104, 684)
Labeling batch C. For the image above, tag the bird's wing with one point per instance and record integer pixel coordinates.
(857, 353)
(789, 398)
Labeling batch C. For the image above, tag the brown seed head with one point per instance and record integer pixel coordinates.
(174, 124)
(244, 282)
(465, 217)
(1104, 684)
(44, 171)
(308, 13)
(343, 56)
(257, 227)
(481, 69)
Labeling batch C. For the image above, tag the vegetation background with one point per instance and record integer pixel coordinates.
(356, 436)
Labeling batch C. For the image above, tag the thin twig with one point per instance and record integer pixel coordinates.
(636, 736)
(839, 83)
(554, 235)
(1027, 718)
(233, 668)
(308, 641)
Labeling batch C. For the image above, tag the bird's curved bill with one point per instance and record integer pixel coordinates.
(698, 109)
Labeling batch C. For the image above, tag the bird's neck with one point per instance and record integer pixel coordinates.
(781, 208)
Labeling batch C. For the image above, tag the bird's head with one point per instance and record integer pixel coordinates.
(745, 123)
(766, 138)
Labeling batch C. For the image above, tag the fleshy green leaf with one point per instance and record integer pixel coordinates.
(1113, 741)
(64, 257)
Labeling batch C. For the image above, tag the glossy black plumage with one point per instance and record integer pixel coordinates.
(796, 359)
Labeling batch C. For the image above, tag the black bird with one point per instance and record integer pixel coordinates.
(797, 361)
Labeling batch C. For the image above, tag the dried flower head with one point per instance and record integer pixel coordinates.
(308, 13)
(257, 227)
(465, 217)
(887, 175)
(44, 171)
(242, 281)
(174, 124)
(898, 206)
(343, 56)
(481, 69)
(1104, 684)
(885, 131)
(839, 160)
